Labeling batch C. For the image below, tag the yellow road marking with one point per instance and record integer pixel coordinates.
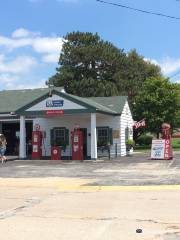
(117, 188)
(76, 184)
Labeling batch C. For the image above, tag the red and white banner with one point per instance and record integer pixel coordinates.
(139, 124)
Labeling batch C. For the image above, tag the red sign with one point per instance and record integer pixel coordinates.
(37, 127)
(168, 150)
(54, 112)
(139, 124)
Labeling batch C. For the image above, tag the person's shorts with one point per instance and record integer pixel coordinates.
(2, 151)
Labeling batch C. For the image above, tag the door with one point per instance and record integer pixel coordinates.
(84, 131)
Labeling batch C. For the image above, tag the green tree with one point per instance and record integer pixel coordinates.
(87, 65)
(177, 114)
(132, 77)
(158, 102)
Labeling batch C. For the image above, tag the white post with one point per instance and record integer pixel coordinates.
(93, 137)
(22, 145)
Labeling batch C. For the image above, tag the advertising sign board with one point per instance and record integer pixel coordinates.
(157, 149)
(54, 103)
(161, 149)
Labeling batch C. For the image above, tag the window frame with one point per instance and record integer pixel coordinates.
(57, 134)
(61, 142)
(102, 142)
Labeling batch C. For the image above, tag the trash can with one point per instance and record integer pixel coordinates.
(55, 153)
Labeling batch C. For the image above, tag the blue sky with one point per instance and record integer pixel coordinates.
(31, 33)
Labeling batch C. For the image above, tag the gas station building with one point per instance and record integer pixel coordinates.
(57, 117)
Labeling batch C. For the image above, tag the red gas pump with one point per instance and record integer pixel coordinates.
(55, 153)
(77, 144)
(36, 145)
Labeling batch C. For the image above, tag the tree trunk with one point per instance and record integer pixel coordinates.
(157, 134)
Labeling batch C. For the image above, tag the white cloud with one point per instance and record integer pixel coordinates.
(13, 71)
(47, 45)
(23, 56)
(8, 78)
(51, 58)
(50, 46)
(19, 65)
(23, 33)
(168, 65)
(11, 44)
(39, 84)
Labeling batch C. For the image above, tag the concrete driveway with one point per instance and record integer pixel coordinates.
(89, 200)
(136, 170)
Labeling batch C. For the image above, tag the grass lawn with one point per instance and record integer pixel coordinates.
(175, 146)
(176, 143)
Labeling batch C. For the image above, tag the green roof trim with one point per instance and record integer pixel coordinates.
(18, 101)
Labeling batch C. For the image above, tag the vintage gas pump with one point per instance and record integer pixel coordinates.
(77, 144)
(36, 144)
(166, 135)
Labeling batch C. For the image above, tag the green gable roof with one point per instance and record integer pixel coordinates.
(115, 103)
(11, 100)
(112, 105)
(14, 100)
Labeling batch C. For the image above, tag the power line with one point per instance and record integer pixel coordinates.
(139, 10)
(175, 74)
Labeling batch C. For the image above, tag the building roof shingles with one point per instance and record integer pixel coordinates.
(12, 100)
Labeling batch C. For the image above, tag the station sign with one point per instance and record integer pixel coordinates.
(54, 112)
(54, 103)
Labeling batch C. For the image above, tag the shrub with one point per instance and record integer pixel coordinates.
(144, 140)
(130, 142)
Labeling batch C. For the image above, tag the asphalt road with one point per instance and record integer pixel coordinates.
(85, 200)
(136, 170)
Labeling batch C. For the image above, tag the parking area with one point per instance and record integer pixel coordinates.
(138, 169)
(90, 200)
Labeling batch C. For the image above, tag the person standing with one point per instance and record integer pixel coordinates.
(3, 144)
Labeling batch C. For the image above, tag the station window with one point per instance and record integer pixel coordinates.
(59, 137)
(126, 133)
(104, 136)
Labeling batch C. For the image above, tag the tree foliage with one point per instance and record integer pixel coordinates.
(136, 71)
(89, 66)
(158, 102)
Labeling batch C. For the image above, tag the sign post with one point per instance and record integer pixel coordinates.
(162, 149)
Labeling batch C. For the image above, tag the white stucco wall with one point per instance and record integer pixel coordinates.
(114, 123)
(83, 120)
(125, 121)
(69, 121)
